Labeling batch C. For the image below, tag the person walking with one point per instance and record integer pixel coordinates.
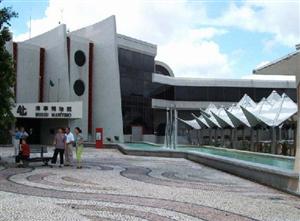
(16, 140)
(79, 146)
(59, 143)
(69, 147)
(24, 134)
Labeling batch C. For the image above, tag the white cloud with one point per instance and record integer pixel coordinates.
(279, 18)
(188, 49)
(177, 28)
(195, 55)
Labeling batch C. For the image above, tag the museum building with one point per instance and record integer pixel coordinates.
(96, 78)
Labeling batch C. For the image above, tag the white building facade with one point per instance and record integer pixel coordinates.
(114, 80)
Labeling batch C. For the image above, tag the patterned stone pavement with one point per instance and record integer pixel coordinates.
(112, 186)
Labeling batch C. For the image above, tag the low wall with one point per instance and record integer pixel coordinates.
(155, 139)
(267, 175)
(283, 180)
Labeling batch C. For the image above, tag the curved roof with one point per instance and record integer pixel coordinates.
(167, 67)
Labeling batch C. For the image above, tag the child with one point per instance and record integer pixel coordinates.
(24, 152)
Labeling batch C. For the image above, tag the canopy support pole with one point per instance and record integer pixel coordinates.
(243, 138)
(233, 138)
(210, 136)
(199, 137)
(222, 137)
(273, 141)
(257, 140)
(251, 139)
(216, 137)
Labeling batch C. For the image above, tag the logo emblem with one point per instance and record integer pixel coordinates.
(22, 110)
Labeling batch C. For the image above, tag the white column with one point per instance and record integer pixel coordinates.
(171, 128)
(167, 128)
(175, 128)
(297, 138)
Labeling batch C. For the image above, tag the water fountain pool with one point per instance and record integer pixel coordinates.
(281, 162)
(272, 170)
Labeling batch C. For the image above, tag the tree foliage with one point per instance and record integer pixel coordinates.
(7, 72)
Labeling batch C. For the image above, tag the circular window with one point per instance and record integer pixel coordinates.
(79, 58)
(79, 87)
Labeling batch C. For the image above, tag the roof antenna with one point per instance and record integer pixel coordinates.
(61, 16)
(30, 27)
(30, 24)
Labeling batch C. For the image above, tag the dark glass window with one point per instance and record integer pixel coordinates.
(161, 70)
(79, 58)
(215, 94)
(136, 88)
(79, 87)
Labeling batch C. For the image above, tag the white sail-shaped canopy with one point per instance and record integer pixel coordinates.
(285, 110)
(254, 116)
(192, 123)
(246, 101)
(207, 115)
(236, 114)
(201, 121)
(271, 111)
(273, 98)
(272, 114)
(211, 108)
(222, 118)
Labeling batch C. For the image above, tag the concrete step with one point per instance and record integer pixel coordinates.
(89, 144)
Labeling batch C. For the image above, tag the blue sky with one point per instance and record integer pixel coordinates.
(196, 38)
(249, 45)
(34, 8)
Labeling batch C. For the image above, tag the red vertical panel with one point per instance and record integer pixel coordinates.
(15, 59)
(90, 98)
(99, 137)
(42, 74)
(68, 51)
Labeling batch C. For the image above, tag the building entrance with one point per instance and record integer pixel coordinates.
(32, 127)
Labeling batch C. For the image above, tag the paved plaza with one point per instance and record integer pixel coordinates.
(113, 186)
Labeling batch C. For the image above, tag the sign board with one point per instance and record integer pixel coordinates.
(65, 110)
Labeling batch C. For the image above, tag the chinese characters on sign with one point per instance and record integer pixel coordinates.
(56, 111)
(48, 110)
